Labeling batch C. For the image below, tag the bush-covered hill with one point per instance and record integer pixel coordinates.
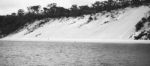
(13, 23)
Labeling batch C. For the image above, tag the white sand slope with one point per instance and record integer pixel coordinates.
(103, 28)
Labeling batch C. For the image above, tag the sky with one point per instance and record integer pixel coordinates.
(9, 6)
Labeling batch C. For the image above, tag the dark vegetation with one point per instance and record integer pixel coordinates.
(145, 34)
(140, 24)
(12, 23)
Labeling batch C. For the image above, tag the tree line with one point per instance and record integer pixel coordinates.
(11, 23)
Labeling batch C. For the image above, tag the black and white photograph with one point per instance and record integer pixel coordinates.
(74, 32)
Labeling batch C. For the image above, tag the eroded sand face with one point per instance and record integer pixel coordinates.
(73, 54)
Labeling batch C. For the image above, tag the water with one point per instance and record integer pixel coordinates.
(30, 53)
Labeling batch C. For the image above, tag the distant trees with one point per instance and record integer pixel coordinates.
(74, 10)
(136, 2)
(109, 5)
(86, 10)
(13, 14)
(52, 5)
(21, 12)
(52, 9)
(34, 9)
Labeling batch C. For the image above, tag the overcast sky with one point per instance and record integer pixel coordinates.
(9, 6)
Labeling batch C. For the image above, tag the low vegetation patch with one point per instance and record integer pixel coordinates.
(144, 32)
